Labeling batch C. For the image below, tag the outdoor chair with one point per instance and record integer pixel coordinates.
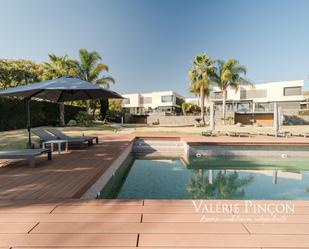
(61, 135)
(209, 133)
(285, 134)
(239, 134)
(29, 154)
(43, 135)
(47, 136)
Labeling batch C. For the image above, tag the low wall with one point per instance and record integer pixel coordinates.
(174, 120)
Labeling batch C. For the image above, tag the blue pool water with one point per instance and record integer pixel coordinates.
(210, 178)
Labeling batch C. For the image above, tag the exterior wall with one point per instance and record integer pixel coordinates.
(173, 120)
(142, 100)
(274, 92)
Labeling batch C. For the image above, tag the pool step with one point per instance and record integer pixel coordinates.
(152, 146)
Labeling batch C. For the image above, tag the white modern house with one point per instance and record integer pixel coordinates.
(249, 104)
(144, 103)
(260, 97)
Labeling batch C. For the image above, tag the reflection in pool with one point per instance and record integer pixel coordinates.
(210, 178)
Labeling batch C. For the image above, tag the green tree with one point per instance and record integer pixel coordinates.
(200, 78)
(228, 75)
(90, 68)
(18, 72)
(59, 66)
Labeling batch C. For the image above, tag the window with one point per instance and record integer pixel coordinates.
(218, 95)
(167, 98)
(179, 101)
(292, 91)
(147, 100)
(255, 93)
(126, 101)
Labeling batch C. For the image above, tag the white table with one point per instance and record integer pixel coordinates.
(58, 142)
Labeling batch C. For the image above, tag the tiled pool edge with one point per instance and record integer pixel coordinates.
(92, 192)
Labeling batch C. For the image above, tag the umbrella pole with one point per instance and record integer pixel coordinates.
(29, 145)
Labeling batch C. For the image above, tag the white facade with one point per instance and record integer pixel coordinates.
(266, 92)
(139, 103)
(284, 92)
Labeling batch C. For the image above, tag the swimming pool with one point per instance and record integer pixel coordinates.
(200, 177)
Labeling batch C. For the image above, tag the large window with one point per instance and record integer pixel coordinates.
(147, 100)
(179, 101)
(126, 101)
(167, 98)
(254, 93)
(217, 95)
(292, 91)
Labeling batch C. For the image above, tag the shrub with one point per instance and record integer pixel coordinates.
(84, 118)
(13, 113)
(304, 112)
(113, 116)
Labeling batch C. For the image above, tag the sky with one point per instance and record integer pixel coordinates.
(149, 44)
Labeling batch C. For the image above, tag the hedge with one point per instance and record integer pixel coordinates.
(13, 113)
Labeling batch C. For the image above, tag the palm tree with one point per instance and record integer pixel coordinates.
(200, 78)
(59, 66)
(228, 75)
(90, 69)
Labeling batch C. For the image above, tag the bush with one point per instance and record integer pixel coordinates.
(13, 113)
(113, 116)
(304, 112)
(190, 108)
(84, 118)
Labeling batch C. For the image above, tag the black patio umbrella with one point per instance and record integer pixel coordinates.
(58, 90)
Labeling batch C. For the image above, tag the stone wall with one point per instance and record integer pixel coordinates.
(173, 120)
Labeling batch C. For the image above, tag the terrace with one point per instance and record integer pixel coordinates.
(40, 208)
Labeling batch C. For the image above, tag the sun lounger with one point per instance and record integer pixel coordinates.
(284, 134)
(43, 135)
(29, 154)
(72, 142)
(209, 133)
(239, 134)
(63, 136)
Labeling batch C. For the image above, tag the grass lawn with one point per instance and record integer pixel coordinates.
(17, 139)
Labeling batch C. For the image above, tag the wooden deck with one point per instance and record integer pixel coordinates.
(39, 208)
(144, 224)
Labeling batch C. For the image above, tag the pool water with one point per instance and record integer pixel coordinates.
(210, 178)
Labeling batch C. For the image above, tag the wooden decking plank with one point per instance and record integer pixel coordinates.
(27, 209)
(214, 202)
(116, 209)
(244, 218)
(35, 217)
(207, 240)
(68, 240)
(184, 228)
(284, 228)
(16, 227)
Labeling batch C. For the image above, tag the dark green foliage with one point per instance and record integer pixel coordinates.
(104, 105)
(113, 116)
(13, 113)
(84, 118)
